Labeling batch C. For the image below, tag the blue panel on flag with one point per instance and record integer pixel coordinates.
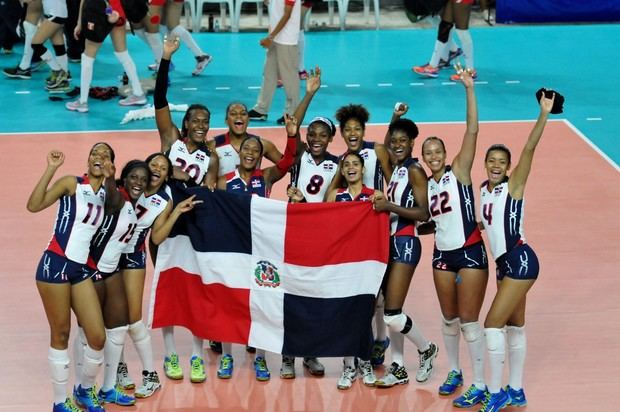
(328, 327)
(220, 224)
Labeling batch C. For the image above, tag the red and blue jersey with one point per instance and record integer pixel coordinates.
(400, 193)
(255, 186)
(313, 178)
(373, 173)
(228, 155)
(148, 209)
(343, 195)
(195, 164)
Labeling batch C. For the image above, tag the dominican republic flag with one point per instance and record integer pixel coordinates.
(297, 279)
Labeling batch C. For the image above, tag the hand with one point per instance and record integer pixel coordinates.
(266, 42)
(109, 170)
(77, 31)
(546, 104)
(295, 194)
(379, 202)
(313, 82)
(187, 205)
(291, 124)
(55, 159)
(465, 75)
(171, 45)
(400, 109)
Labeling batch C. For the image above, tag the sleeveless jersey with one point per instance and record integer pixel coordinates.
(195, 164)
(343, 195)
(112, 238)
(400, 193)
(256, 186)
(148, 208)
(314, 179)
(373, 176)
(502, 217)
(77, 220)
(228, 155)
(451, 206)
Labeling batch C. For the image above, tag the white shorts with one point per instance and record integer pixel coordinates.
(55, 8)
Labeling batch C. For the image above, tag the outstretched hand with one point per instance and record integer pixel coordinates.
(291, 124)
(546, 103)
(465, 75)
(313, 82)
(187, 204)
(55, 158)
(171, 45)
(400, 109)
(109, 170)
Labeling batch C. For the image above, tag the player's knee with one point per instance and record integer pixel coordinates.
(516, 337)
(139, 332)
(117, 335)
(96, 339)
(471, 331)
(495, 340)
(60, 337)
(397, 321)
(444, 31)
(450, 327)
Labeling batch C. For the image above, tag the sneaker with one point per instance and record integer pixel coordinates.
(17, 73)
(197, 373)
(315, 367)
(35, 66)
(425, 370)
(150, 385)
(495, 401)
(451, 56)
(66, 406)
(123, 380)
(452, 382)
(349, 374)
(457, 78)
(281, 121)
(287, 370)
(62, 87)
(254, 115)
(396, 375)
(215, 346)
(117, 396)
(250, 349)
(517, 397)
(55, 78)
(133, 100)
(303, 75)
(87, 399)
(472, 396)
(77, 106)
(226, 367)
(368, 374)
(172, 369)
(279, 83)
(262, 372)
(201, 64)
(378, 351)
(426, 71)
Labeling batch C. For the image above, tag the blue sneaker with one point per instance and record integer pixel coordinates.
(452, 382)
(262, 372)
(87, 398)
(517, 397)
(378, 352)
(495, 401)
(117, 396)
(472, 396)
(226, 367)
(66, 406)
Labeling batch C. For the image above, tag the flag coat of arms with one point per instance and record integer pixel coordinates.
(297, 279)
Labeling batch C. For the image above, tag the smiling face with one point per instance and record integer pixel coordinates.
(159, 168)
(401, 145)
(434, 155)
(250, 154)
(99, 154)
(352, 169)
(353, 134)
(197, 125)
(237, 119)
(135, 182)
(318, 137)
(496, 164)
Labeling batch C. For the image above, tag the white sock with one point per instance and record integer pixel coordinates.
(63, 61)
(197, 344)
(115, 339)
(260, 353)
(29, 29)
(155, 43)
(437, 53)
(226, 348)
(168, 334)
(472, 332)
(79, 344)
(59, 368)
(142, 341)
(349, 361)
(415, 336)
(397, 346)
(452, 46)
(468, 47)
(48, 58)
(496, 342)
(301, 49)
(92, 361)
(86, 77)
(380, 331)
(132, 72)
(141, 33)
(451, 337)
(517, 348)
(188, 40)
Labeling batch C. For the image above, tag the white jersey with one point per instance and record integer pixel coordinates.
(502, 217)
(148, 209)
(112, 238)
(313, 179)
(451, 206)
(228, 155)
(195, 164)
(77, 220)
(400, 193)
(55, 8)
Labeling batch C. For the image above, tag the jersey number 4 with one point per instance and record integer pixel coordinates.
(487, 213)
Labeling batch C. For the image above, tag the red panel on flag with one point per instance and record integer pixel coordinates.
(216, 311)
(310, 239)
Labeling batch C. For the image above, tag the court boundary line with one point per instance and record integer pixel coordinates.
(589, 142)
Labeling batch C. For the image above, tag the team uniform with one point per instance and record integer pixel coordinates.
(405, 245)
(256, 186)
(55, 11)
(195, 164)
(95, 23)
(78, 218)
(313, 179)
(343, 195)
(502, 217)
(458, 242)
(373, 176)
(228, 155)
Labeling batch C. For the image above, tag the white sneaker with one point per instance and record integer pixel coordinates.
(133, 100)
(287, 370)
(122, 377)
(349, 374)
(368, 374)
(395, 375)
(77, 106)
(201, 64)
(150, 384)
(425, 370)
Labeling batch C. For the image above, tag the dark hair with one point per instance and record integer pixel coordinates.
(188, 114)
(435, 138)
(352, 111)
(252, 137)
(231, 104)
(112, 155)
(157, 154)
(356, 154)
(499, 147)
(405, 125)
(326, 122)
(131, 165)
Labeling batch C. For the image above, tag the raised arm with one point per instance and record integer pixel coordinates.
(400, 109)
(463, 161)
(210, 179)
(113, 199)
(384, 160)
(518, 178)
(42, 197)
(168, 131)
(313, 84)
(274, 173)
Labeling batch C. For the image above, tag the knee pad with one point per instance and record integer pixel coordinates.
(516, 337)
(450, 327)
(443, 34)
(138, 332)
(38, 50)
(117, 335)
(397, 321)
(59, 49)
(471, 331)
(495, 340)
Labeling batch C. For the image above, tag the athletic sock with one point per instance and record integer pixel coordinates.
(58, 360)
(142, 341)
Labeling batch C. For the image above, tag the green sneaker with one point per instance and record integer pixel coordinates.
(172, 369)
(198, 369)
